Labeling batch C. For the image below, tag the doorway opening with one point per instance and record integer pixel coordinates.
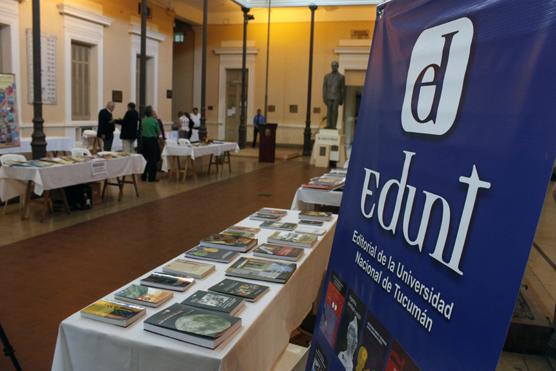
(233, 103)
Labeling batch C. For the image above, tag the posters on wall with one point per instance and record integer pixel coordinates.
(48, 68)
(448, 173)
(9, 126)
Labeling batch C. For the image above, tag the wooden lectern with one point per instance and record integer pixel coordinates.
(267, 149)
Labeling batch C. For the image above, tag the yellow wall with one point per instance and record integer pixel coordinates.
(117, 54)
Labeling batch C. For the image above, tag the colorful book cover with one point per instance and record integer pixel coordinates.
(212, 254)
(293, 238)
(226, 240)
(109, 311)
(239, 231)
(188, 268)
(246, 290)
(399, 360)
(332, 310)
(268, 211)
(214, 301)
(349, 331)
(320, 363)
(278, 226)
(258, 269)
(144, 295)
(375, 342)
(167, 281)
(265, 217)
(278, 252)
(324, 215)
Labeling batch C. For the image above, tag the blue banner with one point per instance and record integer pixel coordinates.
(454, 147)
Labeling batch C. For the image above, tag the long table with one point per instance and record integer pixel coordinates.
(306, 198)
(84, 344)
(54, 144)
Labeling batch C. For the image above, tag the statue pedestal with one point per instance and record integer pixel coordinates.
(329, 146)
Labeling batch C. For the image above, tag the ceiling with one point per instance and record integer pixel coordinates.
(221, 6)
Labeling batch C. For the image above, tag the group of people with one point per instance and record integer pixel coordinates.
(147, 132)
(188, 124)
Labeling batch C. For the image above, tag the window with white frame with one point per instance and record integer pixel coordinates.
(80, 81)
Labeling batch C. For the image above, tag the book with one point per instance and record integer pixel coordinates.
(332, 309)
(187, 268)
(239, 231)
(278, 226)
(400, 360)
(278, 252)
(320, 216)
(293, 239)
(351, 324)
(167, 281)
(222, 241)
(112, 312)
(320, 363)
(193, 325)
(269, 211)
(311, 230)
(143, 295)
(374, 344)
(215, 301)
(211, 254)
(262, 270)
(245, 290)
(265, 217)
(311, 223)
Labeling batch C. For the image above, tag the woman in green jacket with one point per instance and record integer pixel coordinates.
(150, 131)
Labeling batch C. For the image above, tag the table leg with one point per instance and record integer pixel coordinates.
(210, 164)
(121, 184)
(104, 189)
(186, 166)
(193, 168)
(26, 200)
(46, 205)
(178, 171)
(229, 162)
(65, 200)
(134, 180)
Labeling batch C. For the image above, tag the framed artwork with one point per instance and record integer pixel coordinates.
(9, 127)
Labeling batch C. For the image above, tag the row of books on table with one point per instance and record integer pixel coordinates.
(66, 160)
(208, 318)
(331, 181)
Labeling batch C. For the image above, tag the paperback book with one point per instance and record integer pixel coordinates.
(266, 217)
(193, 325)
(293, 239)
(319, 216)
(313, 223)
(279, 226)
(187, 268)
(211, 254)
(143, 295)
(311, 230)
(222, 241)
(215, 301)
(245, 290)
(332, 309)
(112, 312)
(278, 252)
(262, 270)
(167, 281)
(269, 211)
(239, 231)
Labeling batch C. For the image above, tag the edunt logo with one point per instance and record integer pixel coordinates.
(435, 78)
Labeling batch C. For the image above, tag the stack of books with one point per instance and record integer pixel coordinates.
(293, 239)
(112, 312)
(266, 214)
(228, 242)
(262, 270)
(318, 216)
(193, 325)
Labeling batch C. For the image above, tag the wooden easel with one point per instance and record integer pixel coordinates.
(120, 183)
(219, 162)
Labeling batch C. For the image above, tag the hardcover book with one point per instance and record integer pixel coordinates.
(279, 226)
(115, 313)
(278, 252)
(263, 270)
(374, 344)
(222, 241)
(143, 295)
(321, 216)
(211, 254)
(245, 290)
(187, 268)
(349, 331)
(400, 360)
(215, 301)
(167, 281)
(293, 239)
(193, 325)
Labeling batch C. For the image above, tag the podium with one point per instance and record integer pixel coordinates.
(267, 148)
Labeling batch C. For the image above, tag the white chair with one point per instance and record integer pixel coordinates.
(184, 142)
(7, 160)
(80, 152)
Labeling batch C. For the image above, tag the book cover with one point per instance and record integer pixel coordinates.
(332, 310)
(264, 270)
(399, 360)
(187, 268)
(265, 217)
(211, 254)
(269, 211)
(248, 291)
(320, 363)
(279, 226)
(113, 312)
(349, 331)
(315, 215)
(194, 325)
(224, 241)
(167, 281)
(311, 230)
(278, 252)
(239, 231)
(375, 342)
(293, 239)
(214, 301)
(315, 223)
(144, 295)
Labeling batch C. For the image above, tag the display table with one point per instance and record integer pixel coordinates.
(17, 181)
(85, 344)
(173, 152)
(54, 144)
(306, 198)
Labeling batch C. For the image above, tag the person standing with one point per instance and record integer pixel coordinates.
(184, 131)
(258, 121)
(196, 120)
(150, 131)
(129, 124)
(106, 126)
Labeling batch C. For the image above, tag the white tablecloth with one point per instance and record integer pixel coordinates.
(306, 198)
(196, 152)
(13, 180)
(88, 345)
(52, 144)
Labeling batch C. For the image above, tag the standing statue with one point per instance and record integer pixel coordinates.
(333, 92)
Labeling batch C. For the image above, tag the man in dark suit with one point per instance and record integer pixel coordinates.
(130, 125)
(106, 126)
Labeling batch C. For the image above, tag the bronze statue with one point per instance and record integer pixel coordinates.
(333, 92)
